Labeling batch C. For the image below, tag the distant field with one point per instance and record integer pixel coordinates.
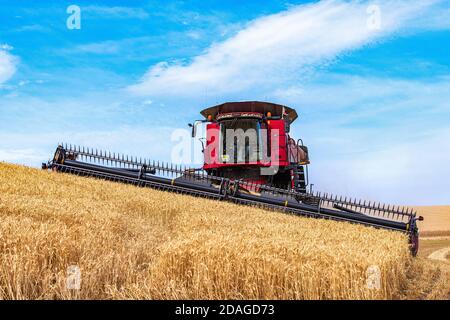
(133, 243)
(436, 222)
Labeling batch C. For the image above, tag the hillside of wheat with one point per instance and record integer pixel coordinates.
(134, 243)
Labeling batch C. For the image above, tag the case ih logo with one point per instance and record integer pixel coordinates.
(232, 115)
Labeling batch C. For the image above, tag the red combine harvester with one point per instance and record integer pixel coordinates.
(249, 159)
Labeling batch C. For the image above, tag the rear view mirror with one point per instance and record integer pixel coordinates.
(194, 127)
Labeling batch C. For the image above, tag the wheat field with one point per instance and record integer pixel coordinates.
(134, 243)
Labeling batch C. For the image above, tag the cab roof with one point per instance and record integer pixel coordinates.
(250, 106)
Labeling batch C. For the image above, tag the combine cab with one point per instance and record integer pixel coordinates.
(250, 159)
(250, 141)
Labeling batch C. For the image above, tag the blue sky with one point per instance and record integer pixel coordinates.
(370, 80)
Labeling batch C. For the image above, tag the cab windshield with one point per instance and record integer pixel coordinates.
(240, 140)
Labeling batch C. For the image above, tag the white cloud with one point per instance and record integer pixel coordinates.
(438, 21)
(8, 64)
(116, 12)
(280, 47)
(22, 156)
(32, 28)
(105, 47)
(109, 47)
(367, 96)
(6, 47)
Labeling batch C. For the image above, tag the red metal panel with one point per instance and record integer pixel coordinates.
(212, 145)
(277, 134)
